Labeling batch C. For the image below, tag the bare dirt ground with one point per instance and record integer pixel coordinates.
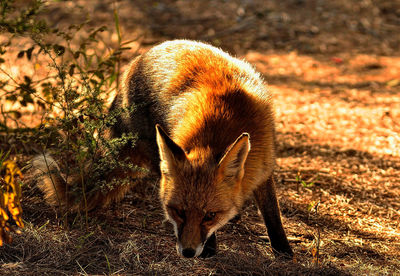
(334, 70)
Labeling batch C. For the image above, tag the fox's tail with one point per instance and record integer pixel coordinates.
(69, 194)
(50, 180)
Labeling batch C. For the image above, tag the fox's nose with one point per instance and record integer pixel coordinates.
(188, 252)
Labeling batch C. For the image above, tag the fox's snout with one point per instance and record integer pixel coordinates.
(204, 250)
(189, 252)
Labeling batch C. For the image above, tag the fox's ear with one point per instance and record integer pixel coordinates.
(170, 152)
(231, 164)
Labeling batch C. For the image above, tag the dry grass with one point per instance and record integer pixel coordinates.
(132, 239)
(337, 112)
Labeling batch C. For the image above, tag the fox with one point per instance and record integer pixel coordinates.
(205, 126)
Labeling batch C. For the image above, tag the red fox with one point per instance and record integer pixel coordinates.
(205, 123)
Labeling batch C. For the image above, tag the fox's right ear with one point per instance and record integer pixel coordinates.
(170, 153)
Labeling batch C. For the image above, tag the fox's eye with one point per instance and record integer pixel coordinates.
(209, 217)
(181, 213)
(178, 212)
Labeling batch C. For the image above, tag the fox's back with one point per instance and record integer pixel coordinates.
(177, 67)
(199, 95)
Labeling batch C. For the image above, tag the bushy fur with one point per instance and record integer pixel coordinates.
(68, 193)
(49, 178)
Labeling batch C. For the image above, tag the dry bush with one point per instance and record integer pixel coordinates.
(10, 200)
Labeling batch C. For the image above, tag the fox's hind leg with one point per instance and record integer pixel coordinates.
(268, 204)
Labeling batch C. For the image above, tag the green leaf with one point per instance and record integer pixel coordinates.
(117, 27)
(16, 114)
(21, 54)
(77, 54)
(311, 205)
(307, 185)
(113, 77)
(71, 69)
(27, 80)
(29, 53)
(11, 98)
(93, 81)
(58, 49)
(99, 74)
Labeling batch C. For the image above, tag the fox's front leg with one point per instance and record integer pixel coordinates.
(210, 248)
(268, 204)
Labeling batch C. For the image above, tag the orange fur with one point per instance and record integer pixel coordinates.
(213, 143)
(203, 100)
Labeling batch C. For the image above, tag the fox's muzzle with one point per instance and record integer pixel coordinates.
(189, 252)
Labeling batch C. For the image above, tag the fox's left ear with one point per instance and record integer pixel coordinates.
(170, 153)
(232, 163)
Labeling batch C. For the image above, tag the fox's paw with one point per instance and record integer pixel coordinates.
(210, 248)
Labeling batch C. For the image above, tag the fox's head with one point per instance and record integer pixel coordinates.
(200, 193)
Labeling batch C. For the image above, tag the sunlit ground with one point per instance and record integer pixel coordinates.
(338, 130)
(339, 119)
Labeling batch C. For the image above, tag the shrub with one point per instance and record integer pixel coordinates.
(74, 122)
